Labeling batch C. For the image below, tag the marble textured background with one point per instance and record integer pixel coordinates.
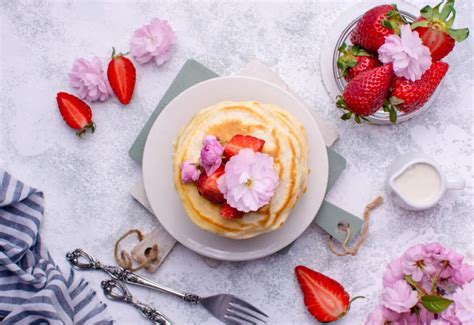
(86, 182)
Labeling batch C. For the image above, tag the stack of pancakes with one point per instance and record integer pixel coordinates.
(285, 140)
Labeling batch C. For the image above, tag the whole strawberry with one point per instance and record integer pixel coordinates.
(435, 29)
(375, 25)
(409, 96)
(365, 94)
(354, 60)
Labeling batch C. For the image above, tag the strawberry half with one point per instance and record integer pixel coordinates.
(122, 76)
(228, 212)
(375, 25)
(324, 297)
(365, 94)
(207, 186)
(409, 96)
(75, 112)
(354, 60)
(435, 29)
(239, 142)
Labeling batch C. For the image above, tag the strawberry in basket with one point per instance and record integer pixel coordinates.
(375, 25)
(435, 29)
(410, 54)
(365, 94)
(355, 60)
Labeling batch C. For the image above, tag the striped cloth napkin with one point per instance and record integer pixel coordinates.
(33, 290)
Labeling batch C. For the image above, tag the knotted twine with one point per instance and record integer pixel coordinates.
(363, 234)
(125, 260)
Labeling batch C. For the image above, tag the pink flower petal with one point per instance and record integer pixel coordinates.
(152, 42)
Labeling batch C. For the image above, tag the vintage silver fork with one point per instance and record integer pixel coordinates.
(227, 308)
(116, 290)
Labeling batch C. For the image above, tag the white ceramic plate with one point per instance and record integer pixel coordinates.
(158, 169)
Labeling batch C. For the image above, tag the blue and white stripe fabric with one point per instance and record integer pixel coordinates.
(32, 288)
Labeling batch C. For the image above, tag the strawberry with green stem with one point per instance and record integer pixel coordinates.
(365, 94)
(324, 297)
(122, 76)
(354, 60)
(375, 25)
(408, 96)
(76, 113)
(435, 29)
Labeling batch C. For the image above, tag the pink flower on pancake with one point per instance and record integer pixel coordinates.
(211, 154)
(249, 180)
(189, 172)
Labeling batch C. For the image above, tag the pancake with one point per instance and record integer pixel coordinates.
(285, 140)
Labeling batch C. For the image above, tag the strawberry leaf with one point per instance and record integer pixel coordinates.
(392, 13)
(459, 34)
(448, 7)
(342, 48)
(345, 62)
(340, 102)
(421, 23)
(395, 100)
(359, 51)
(435, 304)
(346, 116)
(426, 12)
(436, 10)
(393, 116)
(450, 21)
(387, 23)
(357, 119)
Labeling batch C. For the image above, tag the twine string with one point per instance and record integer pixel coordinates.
(346, 250)
(124, 258)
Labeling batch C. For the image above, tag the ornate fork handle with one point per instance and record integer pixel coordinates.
(116, 290)
(119, 273)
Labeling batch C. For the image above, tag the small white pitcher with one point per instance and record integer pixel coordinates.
(404, 162)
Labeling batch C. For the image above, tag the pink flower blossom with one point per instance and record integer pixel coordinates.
(381, 315)
(189, 172)
(88, 80)
(211, 154)
(153, 42)
(434, 249)
(409, 56)
(413, 262)
(449, 315)
(393, 272)
(425, 316)
(453, 261)
(400, 297)
(463, 274)
(249, 180)
(439, 322)
(464, 303)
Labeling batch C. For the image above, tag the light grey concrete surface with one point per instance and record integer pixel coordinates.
(87, 182)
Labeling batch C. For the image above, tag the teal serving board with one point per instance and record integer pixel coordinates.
(192, 72)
